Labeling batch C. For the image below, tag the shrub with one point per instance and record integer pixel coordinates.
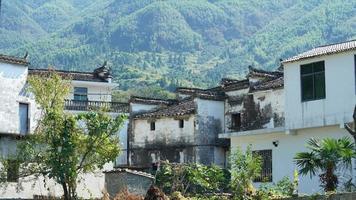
(245, 167)
(191, 178)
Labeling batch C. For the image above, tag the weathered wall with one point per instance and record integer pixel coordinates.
(340, 99)
(209, 123)
(282, 155)
(118, 181)
(91, 186)
(260, 109)
(167, 141)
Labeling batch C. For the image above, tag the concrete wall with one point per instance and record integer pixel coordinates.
(341, 196)
(282, 155)
(338, 105)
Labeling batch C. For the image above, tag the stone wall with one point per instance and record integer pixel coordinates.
(343, 196)
(135, 182)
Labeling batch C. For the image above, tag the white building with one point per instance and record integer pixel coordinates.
(182, 130)
(19, 114)
(317, 100)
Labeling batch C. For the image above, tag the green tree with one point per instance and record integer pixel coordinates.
(65, 145)
(245, 167)
(327, 156)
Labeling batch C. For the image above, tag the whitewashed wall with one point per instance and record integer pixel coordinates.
(91, 186)
(282, 156)
(137, 107)
(12, 92)
(97, 91)
(167, 130)
(339, 103)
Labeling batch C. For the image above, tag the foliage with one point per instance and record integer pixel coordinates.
(245, 167)
(282, 189)
(195, 43)
(123, 195)
(191, 178)
(327, 155)
(64, 145)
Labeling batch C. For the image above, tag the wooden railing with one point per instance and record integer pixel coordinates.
(93, 105)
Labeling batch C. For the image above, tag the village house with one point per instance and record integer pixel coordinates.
(180, 130)
(315, 100)
(19, 115)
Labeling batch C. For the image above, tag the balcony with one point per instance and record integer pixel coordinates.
(115, 107)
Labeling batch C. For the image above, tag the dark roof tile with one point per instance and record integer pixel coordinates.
(183, 108)
(13, 60)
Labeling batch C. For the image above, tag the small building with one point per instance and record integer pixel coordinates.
(135, 182)
(180, 130)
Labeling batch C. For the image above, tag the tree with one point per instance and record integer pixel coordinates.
(64, 145)
(327, 156)
(245, 167)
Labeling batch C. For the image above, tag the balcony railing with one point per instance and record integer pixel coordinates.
(93, 105)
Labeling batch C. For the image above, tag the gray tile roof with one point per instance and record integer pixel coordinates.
(182, 108)
(151, 101)
(324, 50)
(13, 60)
(74, 75)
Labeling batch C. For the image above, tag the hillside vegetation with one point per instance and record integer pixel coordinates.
(167, 43)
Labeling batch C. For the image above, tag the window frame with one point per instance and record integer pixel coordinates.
(77, 96)
(312, 74)
(266, 171)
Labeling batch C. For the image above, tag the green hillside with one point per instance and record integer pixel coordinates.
(153, 44)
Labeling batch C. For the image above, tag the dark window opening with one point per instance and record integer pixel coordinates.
(24, 118)
(236, 121)
(181, 123)
(12, 171)
(81, 94)
(313, 81)
(266, 172)
(153, 126)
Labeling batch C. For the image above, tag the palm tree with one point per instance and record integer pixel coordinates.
(326, 156)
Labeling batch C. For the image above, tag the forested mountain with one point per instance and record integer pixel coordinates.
(165, 43)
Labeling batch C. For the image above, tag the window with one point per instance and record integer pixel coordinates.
(24, 118)
(181, 123)
(266, 172)
(81, 94)
(236, 121)
(12, 171)
(313, 81)
(153, 126)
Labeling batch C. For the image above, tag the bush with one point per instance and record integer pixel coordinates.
(245, 167)
(191, 178)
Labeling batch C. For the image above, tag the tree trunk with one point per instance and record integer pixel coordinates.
(66, 193)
